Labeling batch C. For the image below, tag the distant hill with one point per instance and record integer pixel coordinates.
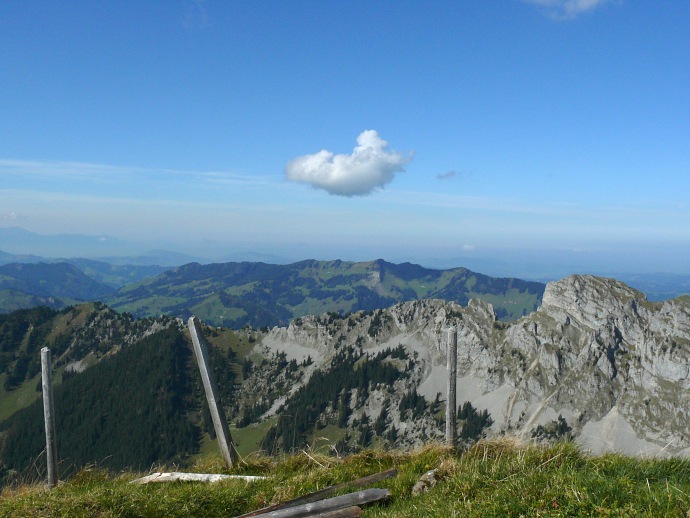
(56, 284)
(59, 281)
(154, 257)
(259, 294)
(12, 300)
(6, 258)
(116, 275)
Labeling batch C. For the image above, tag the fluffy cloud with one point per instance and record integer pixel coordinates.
(568, 8)
(369, 167)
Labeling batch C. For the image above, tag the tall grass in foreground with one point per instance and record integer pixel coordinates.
(494, 478)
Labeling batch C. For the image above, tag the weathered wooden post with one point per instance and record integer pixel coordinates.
(451, 404)
(49, 416)
(220, 423)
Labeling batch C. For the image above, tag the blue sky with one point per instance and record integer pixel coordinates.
(544, 132)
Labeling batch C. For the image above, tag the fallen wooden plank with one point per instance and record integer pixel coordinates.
(323, 493)
(366, 496)
(348, 512)
(192, 477)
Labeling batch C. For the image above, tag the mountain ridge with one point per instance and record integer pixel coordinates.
(261, 294)
(596, 354)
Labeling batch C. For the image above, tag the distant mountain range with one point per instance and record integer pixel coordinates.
(18, 245)
(60, 284)
(240, 293)
(259, 294)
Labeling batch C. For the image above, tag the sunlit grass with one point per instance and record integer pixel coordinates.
(494, 478)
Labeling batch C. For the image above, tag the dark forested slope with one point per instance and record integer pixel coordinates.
(129, 410)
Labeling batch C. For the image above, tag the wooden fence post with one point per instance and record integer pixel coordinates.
(49, 416)
(451, 403)
(220, 423)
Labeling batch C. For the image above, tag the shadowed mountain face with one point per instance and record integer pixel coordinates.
(259, 294)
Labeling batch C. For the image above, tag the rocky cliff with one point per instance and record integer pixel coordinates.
(596, 355)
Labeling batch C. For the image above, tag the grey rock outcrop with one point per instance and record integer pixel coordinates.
(596, 353)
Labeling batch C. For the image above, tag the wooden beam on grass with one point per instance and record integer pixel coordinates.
(337, 503)
(323, 493)
(349, 512)
(193, 477)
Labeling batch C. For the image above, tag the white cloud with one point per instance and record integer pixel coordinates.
(566, 9)
(369, 167)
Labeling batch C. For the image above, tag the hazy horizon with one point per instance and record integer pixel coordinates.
(525, 264)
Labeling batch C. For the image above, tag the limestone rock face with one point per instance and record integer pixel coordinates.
(618, 352)
(613, 365)
(590, 300)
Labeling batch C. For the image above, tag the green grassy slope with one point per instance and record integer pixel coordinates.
(492, 479)
(13, 300)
